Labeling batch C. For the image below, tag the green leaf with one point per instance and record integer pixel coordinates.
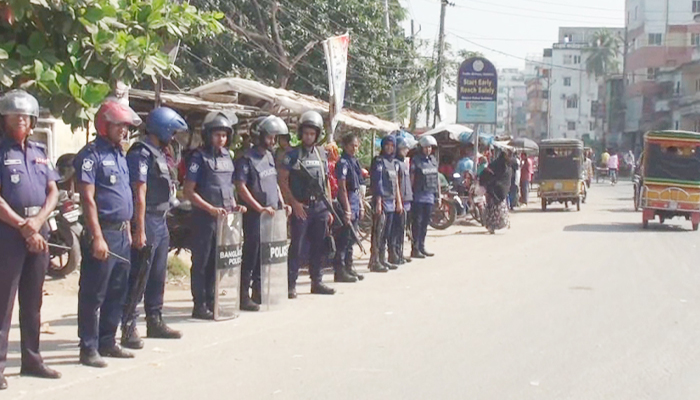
(96, 92)
(74, 87)
(49, 76)
(37, 42)
(3, 55)
(24, 51)
(94, 14)
(73, 47)
(38, 68)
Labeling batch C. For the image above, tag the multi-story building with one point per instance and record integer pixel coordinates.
(537, 89)
(574, 93)
(511, 102)
(662, 36)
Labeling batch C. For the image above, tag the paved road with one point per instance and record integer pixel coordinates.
(565, 305)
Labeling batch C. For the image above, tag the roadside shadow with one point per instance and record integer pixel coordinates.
(619, 227)
(47, 347)
(622, 210)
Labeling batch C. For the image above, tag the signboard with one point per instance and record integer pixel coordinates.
(229, 255)
(336, 51)
(477, 90)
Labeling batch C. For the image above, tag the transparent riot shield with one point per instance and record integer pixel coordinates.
(273, 259)
(229, 254)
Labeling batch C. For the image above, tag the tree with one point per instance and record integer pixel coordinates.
(70, 53)
(603, 53)
(279, 44)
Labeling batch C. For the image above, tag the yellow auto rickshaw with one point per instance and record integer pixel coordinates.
(561, 174)
(670, 177)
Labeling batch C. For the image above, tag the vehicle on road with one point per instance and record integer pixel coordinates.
(561, 173)
(64, 231)
(670, 181)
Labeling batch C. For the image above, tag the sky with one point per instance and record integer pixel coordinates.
(507, 31)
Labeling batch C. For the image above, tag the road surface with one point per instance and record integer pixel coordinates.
(565, 305)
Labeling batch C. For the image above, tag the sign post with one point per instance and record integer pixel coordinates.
(477, 95)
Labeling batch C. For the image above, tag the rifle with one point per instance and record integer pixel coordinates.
(318, 191)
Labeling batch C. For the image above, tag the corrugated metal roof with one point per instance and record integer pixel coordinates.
(189, 102)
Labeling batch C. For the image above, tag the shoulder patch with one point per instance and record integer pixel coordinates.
(87, 165)
(143, 168)
(194, 167)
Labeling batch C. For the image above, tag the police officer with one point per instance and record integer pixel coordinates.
(209, 186)
(256, 181)
(310, 219)
(387, 203)
(348, 173)
(153, 189)
(424, 177)
(396, 255)
(103, 183)
(28, 194)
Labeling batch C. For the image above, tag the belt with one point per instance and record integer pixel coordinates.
(157, 213)
(29, 212)
(114, 226)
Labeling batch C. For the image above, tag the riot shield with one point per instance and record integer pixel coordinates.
(229, 251)
(273, 258)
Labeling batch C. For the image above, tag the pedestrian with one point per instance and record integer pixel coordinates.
(588, 168)
(386, 203)
(425, 181)
(153, 190)
(604, 158)
(613, 168)
(284, 144)
(525, 178)
(396, 254)
(256, 182)
(333, 155)
(209, 186)
(349, 175)
(514, 182)
(497, 180)
(311, 219)
(28, 195)
(106, 198)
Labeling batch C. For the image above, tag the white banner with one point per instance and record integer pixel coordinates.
(336, 50)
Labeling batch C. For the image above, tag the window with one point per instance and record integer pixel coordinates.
(545, 94)
(696, 6)
(697, 85)
(577, 59)
(677, 125)
(568, 59)
(695, 38)
(678, 88)
(568, 38)
(572, 102)
(655, 39)
(633, 46)
(651, 73)
(500, 114)
(567, 81)
(571, 126)
(591, 126)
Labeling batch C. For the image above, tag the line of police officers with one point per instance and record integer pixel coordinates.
(126, 197)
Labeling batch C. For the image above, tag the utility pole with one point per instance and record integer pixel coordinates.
(414, 108)
(441, 50)
(549, 98)
(387, 25)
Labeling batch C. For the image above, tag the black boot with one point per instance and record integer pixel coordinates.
(201, 311)
(115, 352)
(320, 288)
(342, 276)
(351, 270)
(393, 257)
(426, 253)
(130, 338)
(247, 304)
(257, 294)
(388, 265)
(416, 254)
(92, 358)
(157, 329)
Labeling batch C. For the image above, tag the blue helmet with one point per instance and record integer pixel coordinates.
(164, 122)
(388, 139)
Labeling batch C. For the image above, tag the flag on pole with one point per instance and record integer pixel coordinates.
(336, 50)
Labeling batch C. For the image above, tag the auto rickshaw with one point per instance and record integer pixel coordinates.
(561, 175)
(670, 177)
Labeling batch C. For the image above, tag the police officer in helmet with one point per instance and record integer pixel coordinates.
(256, 181)
(209, 186)
(310, 217)
(387, 203)
(424, 177)
(153, 189)
(396, 255)
(28, 194)
(105, 193)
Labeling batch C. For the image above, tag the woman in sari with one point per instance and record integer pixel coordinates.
(496, 178)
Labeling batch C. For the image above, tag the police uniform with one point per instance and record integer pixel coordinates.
(212, 171)
(399, 227)
(348, 169)
(258, 172)
(425, 190)
(384, 182)
(312, 230)
(148, 164)
(24, 177)
(104, 284)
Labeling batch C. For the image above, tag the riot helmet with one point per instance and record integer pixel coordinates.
(268, 126)
(386, 140)
(19, 102)
(164, 122)
(218, 121)
(427, 141)
(310, 119)
(114, 112)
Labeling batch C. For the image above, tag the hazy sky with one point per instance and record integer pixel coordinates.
(512, 29)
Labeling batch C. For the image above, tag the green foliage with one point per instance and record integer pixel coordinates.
(70, 53)
(177, 267)
(603, 53)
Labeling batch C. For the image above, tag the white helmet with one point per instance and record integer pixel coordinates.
(427, 141)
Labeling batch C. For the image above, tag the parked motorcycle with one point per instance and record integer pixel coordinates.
(460, 200)
(64, 231)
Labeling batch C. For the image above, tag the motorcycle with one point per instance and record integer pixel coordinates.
(460, 200)
(64, 231)
(178, 221)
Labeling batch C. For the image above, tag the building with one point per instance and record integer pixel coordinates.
(573, 92)
(512, 96)
(537, 90)
(662, 37)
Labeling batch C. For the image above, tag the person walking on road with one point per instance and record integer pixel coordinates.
(425, 182)
(209, 186)
(153, 190)
(28, 195)
(496, 178)
(613, 168)
(525, 178)
(105, 194)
